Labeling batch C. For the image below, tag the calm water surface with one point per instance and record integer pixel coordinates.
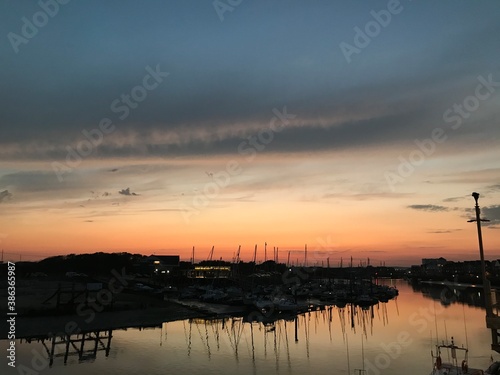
(393, 338)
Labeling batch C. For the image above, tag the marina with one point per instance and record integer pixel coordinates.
(250, 187)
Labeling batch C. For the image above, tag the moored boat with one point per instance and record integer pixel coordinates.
(457, 366)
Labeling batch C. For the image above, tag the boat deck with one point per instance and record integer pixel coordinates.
(450, 369)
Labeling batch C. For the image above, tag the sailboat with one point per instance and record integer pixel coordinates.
(455, 367)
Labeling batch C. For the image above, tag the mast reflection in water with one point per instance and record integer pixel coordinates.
(388, 338)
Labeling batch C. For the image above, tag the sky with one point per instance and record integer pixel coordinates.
(356, 128)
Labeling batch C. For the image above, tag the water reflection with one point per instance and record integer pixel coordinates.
(268, 340)
(341, 340)
(448, 293)
(270, 337)
(85, 345)
(470, 295)
(273, 338)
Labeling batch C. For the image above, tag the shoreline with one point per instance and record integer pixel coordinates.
(455, 284)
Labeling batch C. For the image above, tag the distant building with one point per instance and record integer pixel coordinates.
(433, 264)
(210, 272)
(473, 266)
(162, 264)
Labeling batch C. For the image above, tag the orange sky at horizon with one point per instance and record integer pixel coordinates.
(164, 128)
(332, 219)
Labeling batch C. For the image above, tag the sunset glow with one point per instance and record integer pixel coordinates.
(245, 133)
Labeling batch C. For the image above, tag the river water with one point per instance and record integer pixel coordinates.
(390, 338)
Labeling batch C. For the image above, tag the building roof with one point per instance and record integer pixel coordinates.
(172, 260)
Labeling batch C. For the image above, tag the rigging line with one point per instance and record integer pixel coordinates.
(229, 336)
(306, 332)
(363, 353)
(185, 331)
(265, 341)
(465, 327)
(436, 324)
(432, 354)
(206, 335)
(287, 348)
(348, 360)
(190, 342)
(253, 345)
(446, 335)
(203, 339)
(217, 335)
(161, 335)
(330, 323)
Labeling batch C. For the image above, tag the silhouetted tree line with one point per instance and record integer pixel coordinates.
(90, 264)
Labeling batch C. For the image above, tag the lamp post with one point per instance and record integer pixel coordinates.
(486, 283)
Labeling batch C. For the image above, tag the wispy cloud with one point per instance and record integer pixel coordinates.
(126, 192)
(444, 231)
(493, 188)
(5, 196)
(428, 207)
(453, 199)
(492, 213)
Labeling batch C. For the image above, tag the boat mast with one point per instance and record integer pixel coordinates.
(238, 255)
(211, 254)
